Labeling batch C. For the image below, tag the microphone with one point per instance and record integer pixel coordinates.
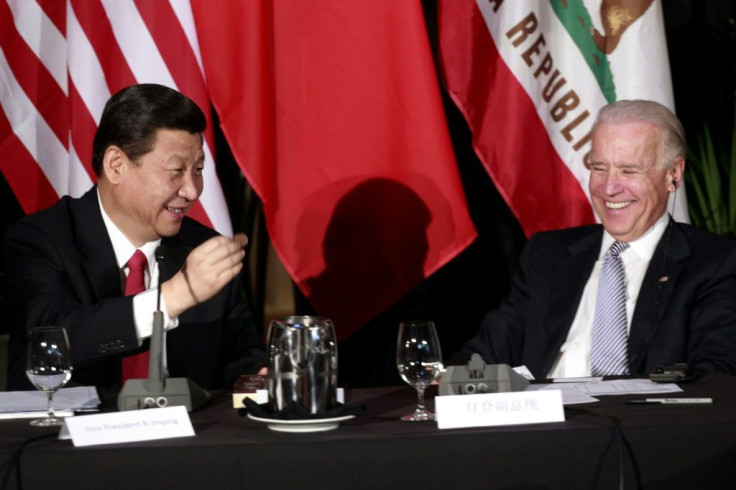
(156, 352)
(158, 390)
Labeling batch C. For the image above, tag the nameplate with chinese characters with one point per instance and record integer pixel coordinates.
(134, 425)
(491, 409)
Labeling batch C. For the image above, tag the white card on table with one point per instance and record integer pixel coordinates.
(129, 426)
(492, 409)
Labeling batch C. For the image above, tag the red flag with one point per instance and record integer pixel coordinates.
(530, 77)
(60, 60)
(333, 112)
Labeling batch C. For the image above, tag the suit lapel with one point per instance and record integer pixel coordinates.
(176, 254)
(656, 290)
(570, 273)
(98, 256)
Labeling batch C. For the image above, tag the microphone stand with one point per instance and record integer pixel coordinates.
(158, 390)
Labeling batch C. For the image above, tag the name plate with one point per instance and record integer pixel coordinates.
(492, 409)
(129, 426)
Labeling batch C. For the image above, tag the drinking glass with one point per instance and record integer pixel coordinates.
(419, 360)
(48, 366)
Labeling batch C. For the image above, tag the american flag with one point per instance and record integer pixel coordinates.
(60, 61)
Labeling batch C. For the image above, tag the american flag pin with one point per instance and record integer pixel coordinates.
(664, 278)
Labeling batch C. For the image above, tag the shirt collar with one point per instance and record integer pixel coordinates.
(122, 247)
(643, 246)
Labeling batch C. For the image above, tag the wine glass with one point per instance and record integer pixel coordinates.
(48, 366)
(419, 360)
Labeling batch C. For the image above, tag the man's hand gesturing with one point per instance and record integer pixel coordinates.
(208, 269)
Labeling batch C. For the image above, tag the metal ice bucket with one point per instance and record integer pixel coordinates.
(302, 363)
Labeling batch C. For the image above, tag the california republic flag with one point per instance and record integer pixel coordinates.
(530, 77)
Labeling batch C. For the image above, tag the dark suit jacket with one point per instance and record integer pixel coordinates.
(685, 312)
(60, 269)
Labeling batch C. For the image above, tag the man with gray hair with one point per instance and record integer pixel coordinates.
(630, 294)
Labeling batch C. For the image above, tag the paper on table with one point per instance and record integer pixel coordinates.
(35, 415)
(21, 402)
(524, 371)
(584, 379)
(582, 390)
(611, 387)
(570, 397)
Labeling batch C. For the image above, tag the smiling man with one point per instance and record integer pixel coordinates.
(633, 293)
(75, 265)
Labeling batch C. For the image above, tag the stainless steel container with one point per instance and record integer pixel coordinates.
(302, 363)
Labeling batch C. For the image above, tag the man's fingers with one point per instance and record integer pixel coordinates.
(218, 249)
(213, 264)
(241, 239)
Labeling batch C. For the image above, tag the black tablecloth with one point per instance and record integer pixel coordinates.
(692, 447)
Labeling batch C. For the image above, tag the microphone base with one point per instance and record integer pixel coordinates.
(136, 394)
(478, 377)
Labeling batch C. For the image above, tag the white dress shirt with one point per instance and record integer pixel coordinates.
(144, 304)
(574, 357)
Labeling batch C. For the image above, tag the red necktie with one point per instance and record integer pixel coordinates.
(136, 366)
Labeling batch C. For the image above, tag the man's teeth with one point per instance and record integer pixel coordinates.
(175, 210)
(617, 205)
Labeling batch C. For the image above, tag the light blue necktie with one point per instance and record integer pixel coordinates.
(609, 350)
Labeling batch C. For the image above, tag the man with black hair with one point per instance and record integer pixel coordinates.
(68, 265)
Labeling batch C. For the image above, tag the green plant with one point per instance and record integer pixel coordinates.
(711, 179)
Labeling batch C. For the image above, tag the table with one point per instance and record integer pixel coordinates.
(692, 447)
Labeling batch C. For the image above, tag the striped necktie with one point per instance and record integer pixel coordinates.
(609, 342)
(136, 366)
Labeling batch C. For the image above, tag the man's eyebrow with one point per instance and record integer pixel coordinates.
(184, 158)
(626, 166)
(633, 166)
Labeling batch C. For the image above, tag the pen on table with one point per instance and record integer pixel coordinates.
(86, 410)
(671, 401)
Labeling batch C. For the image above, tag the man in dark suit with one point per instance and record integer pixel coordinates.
(679, 282)
(67, 265)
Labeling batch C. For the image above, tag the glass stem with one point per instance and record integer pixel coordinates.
(50, 395)
(420, 398)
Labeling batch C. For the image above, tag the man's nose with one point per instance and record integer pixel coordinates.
(613, 184)
(190, 187)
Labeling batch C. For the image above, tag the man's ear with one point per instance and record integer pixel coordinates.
(676, 174)
(114, 164)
